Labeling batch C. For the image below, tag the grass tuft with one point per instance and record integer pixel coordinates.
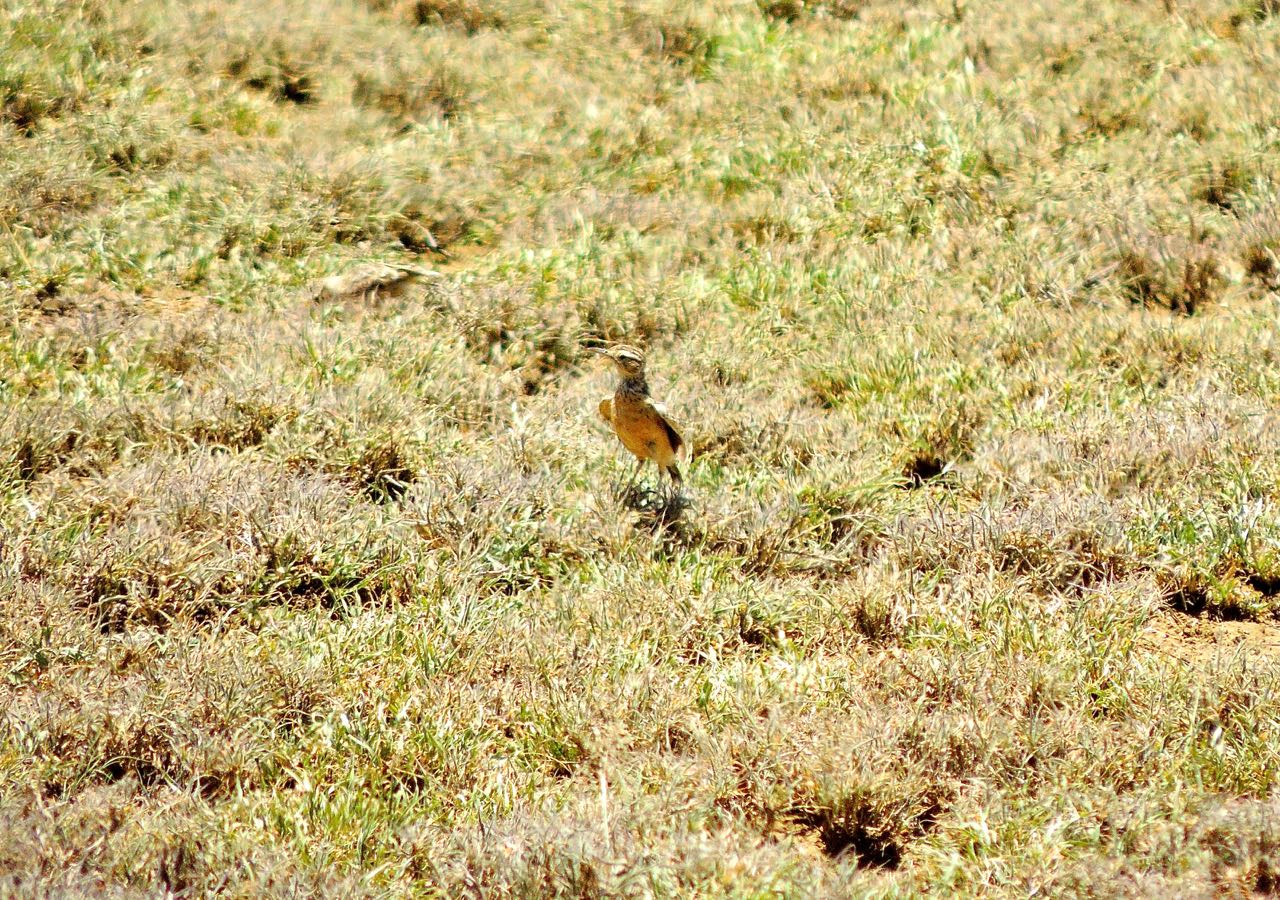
(1261, 251)
(382, 472)
(470, 15)
(796, 10)
(868, 824)
(1182, 277)
(680, 40)
(275, 71)
(1229, 185)
(408, 97)
(1218, 598)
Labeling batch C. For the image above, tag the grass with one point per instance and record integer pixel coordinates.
(968, 314)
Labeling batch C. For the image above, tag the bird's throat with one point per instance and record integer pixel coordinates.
(634, 384)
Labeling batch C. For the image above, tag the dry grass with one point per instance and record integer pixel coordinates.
(967, 314)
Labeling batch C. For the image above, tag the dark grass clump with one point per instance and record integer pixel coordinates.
(382, 472)
(239, 424)
(302, 574)
(688, 44)
(682, 42)
(782, 10)
(1228, 184)
(1110, 110)
(127, 145)
(471, 16)
(1260, 251)
(277, 71)
(924, 465)
(830, 388)
(1184, 288)
(1181, 276)
(407, 96)
(145, 585)
(181, 350)
(1224, 598)
(873, 825)
(36, 453)
(1255, 12)
(796, 10)
(935, 445)
(1263, 265)
(25, 104)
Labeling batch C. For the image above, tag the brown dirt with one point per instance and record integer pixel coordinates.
(1197, 641)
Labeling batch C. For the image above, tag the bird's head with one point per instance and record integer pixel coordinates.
(627, 360)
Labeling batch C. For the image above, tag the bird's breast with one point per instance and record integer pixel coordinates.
(640, 428)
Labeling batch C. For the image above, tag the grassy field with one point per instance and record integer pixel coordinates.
(968, 311)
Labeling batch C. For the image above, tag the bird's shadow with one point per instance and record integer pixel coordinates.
(659, 510)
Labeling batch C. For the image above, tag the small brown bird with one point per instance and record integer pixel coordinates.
(372, 281)
(640, 423)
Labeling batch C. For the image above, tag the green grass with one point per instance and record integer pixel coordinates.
(967, 311)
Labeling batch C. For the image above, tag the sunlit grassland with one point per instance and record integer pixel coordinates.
(966, 310)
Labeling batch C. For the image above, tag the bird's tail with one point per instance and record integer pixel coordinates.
(673, 471)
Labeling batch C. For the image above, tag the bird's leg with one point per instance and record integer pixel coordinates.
(629, 487)
(673, 487)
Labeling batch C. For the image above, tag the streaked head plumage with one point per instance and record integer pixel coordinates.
(628, 360)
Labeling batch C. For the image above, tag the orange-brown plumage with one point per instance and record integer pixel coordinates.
(641, 424)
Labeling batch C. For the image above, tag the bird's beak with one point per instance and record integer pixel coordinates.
(599, 351)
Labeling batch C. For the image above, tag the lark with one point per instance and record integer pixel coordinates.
(641, 424)
(372, 281)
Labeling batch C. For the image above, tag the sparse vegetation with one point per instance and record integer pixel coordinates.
(968, 314)
(1182, 275)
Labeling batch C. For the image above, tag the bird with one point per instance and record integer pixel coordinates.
(371, 281)
(641, 424)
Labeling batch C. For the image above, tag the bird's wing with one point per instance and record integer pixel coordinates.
(369, 278)
(665, 418)
(408, 270)
(606, 410)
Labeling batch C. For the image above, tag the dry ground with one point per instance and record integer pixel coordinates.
(968, 310)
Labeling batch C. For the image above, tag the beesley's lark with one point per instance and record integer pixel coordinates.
(640, 423)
